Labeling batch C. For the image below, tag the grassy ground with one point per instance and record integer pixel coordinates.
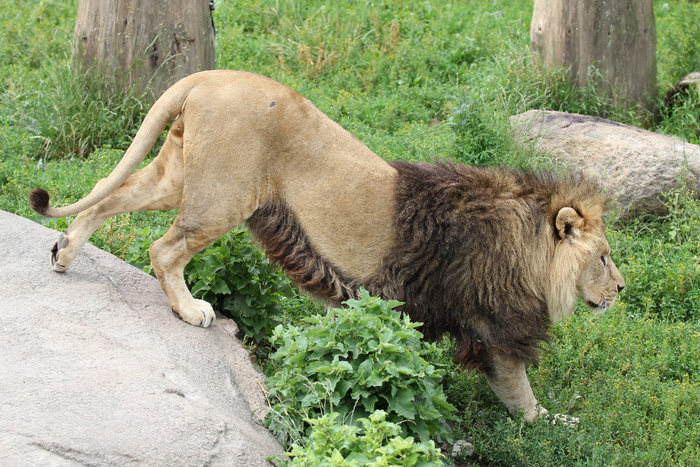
(417, 80)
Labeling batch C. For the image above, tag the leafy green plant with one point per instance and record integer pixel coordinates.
(376, 443)
(232, 275)
(238, 280)
(683, 218)
(354, 361)
(30, 32)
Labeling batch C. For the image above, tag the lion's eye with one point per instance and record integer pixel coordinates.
(602, 260)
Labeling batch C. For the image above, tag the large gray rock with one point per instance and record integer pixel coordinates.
(635, 165)
(96, 370)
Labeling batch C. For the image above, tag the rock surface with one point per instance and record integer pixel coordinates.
(635, 165)
(95, 369)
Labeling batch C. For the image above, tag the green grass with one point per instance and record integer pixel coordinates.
(632, 381)
(418, 80)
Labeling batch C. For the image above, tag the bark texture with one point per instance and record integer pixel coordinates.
(616, 37)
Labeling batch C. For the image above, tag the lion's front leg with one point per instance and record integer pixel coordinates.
(508, 379)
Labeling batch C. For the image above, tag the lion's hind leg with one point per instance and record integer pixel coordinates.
(169, 256)
(158, 186)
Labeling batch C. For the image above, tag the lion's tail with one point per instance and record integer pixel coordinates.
(166, 108)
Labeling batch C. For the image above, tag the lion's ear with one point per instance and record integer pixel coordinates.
(569, 222)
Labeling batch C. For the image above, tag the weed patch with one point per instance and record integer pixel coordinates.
(354, 361)
(375, 443)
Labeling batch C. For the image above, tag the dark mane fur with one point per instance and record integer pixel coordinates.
(457, 258)
(460, 255)
(275, 227)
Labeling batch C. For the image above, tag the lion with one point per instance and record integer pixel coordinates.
(491, 256)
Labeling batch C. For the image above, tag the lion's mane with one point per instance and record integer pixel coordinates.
(472, 255)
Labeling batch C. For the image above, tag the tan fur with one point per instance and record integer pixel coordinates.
(577, 271)
(244, 148)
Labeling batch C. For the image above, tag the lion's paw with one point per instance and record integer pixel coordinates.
(58, 261)
(197, 313)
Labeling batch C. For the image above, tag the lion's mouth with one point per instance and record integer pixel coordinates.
(597, 307)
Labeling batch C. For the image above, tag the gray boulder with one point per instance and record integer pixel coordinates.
(635, 165)
(95, 369)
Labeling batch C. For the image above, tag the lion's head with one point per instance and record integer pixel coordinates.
(582, 263)
(600, 281)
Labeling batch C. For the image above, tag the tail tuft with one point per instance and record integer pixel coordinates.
(39, 199)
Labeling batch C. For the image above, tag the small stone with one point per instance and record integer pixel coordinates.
(462, 448)
(562, 419)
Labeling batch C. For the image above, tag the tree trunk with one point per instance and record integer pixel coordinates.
(144, 44)
(615, 37)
